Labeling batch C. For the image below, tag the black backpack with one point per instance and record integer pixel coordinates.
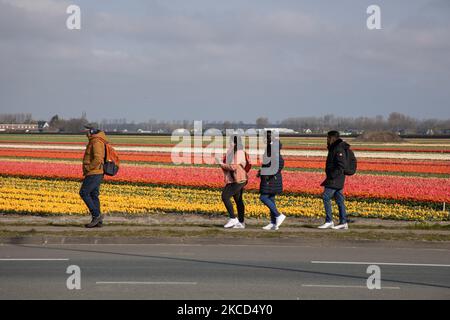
(351, 163)
(111, 161)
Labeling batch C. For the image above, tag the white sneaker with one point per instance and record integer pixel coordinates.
(239, 225)
(231, 223)
(343, 226)
(280, 219)
(270, 226)
(326, 225)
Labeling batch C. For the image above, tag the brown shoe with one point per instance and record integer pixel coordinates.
(95, 222)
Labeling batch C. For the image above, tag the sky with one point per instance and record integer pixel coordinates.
(224, 60)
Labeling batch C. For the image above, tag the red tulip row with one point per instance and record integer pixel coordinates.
(367, 186)
(382, 165)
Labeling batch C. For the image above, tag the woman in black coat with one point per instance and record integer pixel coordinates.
(272, 181)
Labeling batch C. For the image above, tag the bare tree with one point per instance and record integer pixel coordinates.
(262, 123)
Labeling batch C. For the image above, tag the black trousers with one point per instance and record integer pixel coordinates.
(234, 190)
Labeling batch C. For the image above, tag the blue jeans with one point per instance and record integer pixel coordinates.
(89, 192)
(269, 201)
(338, 196)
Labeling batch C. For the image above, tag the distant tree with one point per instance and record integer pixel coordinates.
(74, 125)
(226, 125)
(262, 123)
(398, 121)
(16, 118)
(329, 121)
(53, 121)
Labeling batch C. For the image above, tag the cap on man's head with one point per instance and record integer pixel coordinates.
(333, 133)
(92, 129)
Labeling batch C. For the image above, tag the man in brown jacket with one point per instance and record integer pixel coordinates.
(93, 174)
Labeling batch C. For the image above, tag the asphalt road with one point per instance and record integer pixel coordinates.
(198, 271)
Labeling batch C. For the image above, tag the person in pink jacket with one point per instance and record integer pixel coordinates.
(235, 178)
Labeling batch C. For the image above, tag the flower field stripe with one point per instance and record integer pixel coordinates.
(385, 165)
(38, 154)
(441, 167)
(33, 196)
(78, 155)
(72, 143)
(373, 154)
(365, 186)
(381, 149)
(291, 152)
(356, 148)
(443, 148)
(171, 165)
(41, 146)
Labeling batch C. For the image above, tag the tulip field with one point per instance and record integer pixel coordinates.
(41, 174)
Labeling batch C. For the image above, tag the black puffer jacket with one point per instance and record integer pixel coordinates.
(272, 184)
(336, 161)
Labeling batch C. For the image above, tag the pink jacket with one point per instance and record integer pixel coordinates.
(234, 170)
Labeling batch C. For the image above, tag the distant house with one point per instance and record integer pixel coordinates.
(143, 131)
(18, 127)
(43, 125)
(180, 131)
(281, 130)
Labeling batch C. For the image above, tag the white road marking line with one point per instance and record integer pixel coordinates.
(146, 282)
(341, 286)
(384, 263)
(33, 259)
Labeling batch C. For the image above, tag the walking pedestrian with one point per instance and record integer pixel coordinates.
(337, 160)
(271, 182)
(235, 177)
(93, 161)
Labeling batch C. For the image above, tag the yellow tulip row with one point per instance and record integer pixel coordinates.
(27, 195)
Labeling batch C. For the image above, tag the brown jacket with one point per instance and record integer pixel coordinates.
(94, 156)
(233, 169)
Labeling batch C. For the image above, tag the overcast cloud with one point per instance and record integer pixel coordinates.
(224, 60)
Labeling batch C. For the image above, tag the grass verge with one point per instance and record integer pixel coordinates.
(216, 233)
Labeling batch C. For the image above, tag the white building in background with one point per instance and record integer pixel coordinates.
(180, 131)
(143, 131)
(281, 130)
(24, 127)
(18, 127)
